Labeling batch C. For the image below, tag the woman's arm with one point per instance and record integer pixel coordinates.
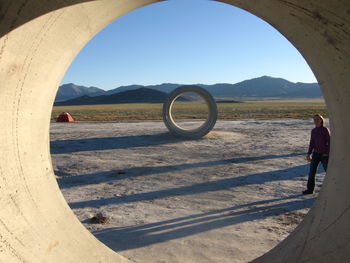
(311, 147)
(328, 139)
(311, 144)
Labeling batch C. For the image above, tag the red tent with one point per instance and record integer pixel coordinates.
(65, 117)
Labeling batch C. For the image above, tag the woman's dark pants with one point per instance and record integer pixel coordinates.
(316, 159)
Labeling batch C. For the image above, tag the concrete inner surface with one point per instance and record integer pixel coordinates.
(38, 41)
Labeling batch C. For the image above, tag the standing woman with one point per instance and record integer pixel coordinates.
(319, 147)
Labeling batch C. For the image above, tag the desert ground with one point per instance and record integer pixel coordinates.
(228, 197)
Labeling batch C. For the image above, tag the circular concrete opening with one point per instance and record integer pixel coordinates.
(37, 44)
(111, 195)
(188, 102)
(185, 118)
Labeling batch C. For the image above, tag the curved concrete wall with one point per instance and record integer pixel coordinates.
(39, 39)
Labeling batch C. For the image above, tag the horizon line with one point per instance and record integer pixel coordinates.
(144, 85)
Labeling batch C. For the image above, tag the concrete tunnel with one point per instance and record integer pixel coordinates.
(38, 41)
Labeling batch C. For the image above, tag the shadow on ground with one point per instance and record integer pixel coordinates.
(111, 143)
(105, 176)
(125, 238)
(210, 186)
(130, 237)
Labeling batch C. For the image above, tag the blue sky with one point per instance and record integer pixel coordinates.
(186, 42)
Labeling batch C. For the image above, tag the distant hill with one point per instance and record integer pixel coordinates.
(141, 95)
(70, 91)
(263, 87)
(165, 87)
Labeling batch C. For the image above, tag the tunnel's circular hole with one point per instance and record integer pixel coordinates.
(158, 189)
(189, 111)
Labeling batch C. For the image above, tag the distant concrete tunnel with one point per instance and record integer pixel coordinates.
(38, 41)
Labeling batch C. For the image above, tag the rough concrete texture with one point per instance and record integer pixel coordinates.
(39, 39)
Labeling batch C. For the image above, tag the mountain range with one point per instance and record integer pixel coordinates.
(70, 91)
(141, 95)
(262, 87)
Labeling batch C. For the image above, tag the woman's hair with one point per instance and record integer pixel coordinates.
(321, 117)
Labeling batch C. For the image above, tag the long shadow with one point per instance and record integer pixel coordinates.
(211, 186)
(110, 143)
(95, 178)
(124, 238)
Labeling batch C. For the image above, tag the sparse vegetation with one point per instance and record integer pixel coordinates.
(264, 109)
